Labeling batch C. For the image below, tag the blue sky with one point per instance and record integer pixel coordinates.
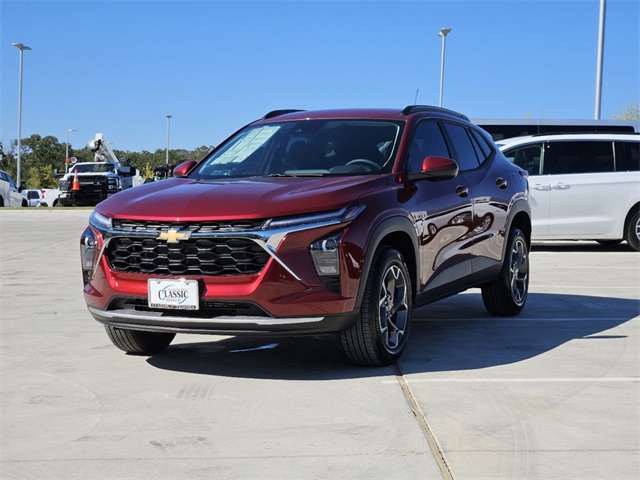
(118, 67)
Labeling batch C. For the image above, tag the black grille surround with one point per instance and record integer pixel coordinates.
(135, 248)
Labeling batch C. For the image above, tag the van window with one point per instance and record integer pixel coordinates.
(578, 157)
(627, 156)
(527, 158)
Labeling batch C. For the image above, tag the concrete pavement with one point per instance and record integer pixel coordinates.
(553, 393)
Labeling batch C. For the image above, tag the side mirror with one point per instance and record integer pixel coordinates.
(183, 169)
(436, 168)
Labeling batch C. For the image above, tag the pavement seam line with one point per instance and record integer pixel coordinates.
(435, 447)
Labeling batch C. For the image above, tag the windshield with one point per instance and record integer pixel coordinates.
(305, 148)
(93, 168)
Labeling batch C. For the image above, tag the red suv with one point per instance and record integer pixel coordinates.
(313, 222)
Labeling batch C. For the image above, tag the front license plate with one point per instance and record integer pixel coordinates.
(174, 294)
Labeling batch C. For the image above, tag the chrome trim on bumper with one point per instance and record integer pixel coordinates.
(165, 320)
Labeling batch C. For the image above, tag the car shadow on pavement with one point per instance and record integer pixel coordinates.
(453, 334)
(580, 246)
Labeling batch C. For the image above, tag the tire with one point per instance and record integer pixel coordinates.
(633, 232)
(380, 334)
(506, 295)
(138, 342)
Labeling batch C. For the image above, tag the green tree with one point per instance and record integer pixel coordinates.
(632, 112)
(39, 156)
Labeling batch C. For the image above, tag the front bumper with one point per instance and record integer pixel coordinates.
(287, 296)
(156, 321)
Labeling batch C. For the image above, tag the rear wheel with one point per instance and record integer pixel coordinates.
(380, 334)
(633, 232)
(138, 342)
(507, 294)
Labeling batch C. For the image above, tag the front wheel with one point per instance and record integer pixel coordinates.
(506, 295)
(633, 232)
(138, 342)
(380, 334)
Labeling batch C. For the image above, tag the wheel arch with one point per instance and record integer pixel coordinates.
(632, 211)
(396, 232)
(521, 218)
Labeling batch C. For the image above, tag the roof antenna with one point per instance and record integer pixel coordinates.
(415, 100)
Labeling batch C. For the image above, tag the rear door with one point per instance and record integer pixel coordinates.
(587, 195)
(490, 191)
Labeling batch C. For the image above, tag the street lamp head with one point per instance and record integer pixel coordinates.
(444, 32)
(21, 46)
(72, 130)
(169, 116)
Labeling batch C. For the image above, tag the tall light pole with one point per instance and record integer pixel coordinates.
(169, 117)
(603, 7)
(67, 161)
(443, 33)
(22, 48)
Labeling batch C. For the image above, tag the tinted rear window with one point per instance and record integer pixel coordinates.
(627, 156)
(578, 157)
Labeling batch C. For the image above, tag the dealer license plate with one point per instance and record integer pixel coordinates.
(174, 294)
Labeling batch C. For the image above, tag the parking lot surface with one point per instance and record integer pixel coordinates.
(552, 393)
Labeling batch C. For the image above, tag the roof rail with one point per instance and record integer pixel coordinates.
(584, 132)
(429, 108)
(277, 113)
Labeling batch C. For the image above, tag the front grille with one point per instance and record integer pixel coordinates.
(201, 227)
(204, 256)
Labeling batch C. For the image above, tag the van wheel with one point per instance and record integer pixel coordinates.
(380, 334)
(138, 342)
(506, 295)
(633, 232)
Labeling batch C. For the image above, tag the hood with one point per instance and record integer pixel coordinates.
(182, 199)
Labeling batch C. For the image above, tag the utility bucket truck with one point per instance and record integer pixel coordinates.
(91, 182)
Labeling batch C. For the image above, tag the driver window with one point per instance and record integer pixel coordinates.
(427, 141)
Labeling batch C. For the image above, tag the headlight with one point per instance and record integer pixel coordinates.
(336, 216)
(101, 222)
(325, 254)
(88, 254)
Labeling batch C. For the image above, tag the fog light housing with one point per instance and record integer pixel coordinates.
(88, 254)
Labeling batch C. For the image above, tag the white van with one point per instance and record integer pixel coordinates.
(583, 186)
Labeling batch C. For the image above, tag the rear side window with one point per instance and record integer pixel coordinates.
(578, 157)
(627, 156)
(465, 152)
(481, 142)
(427, 141)
(527, 158)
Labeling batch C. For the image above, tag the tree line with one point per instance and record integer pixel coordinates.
(43, 159)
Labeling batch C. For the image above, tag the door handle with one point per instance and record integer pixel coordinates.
(501, 183)
(462, 191)
(561, 186)
(541, 186)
